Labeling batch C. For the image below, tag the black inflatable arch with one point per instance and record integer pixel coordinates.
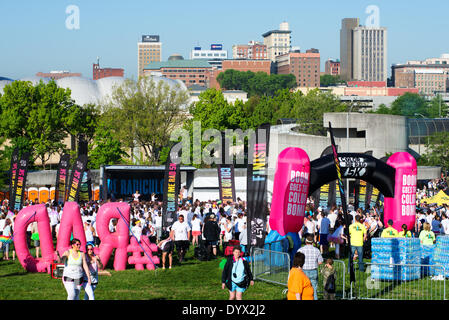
(353, 165)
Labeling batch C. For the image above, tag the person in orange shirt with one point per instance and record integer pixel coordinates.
(299, 285)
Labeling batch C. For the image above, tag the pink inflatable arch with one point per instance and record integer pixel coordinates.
(119, 239)
(290, 190)
(71, 222)
(402, 208)
(37, 213)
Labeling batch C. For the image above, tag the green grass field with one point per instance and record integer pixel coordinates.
(191, 280)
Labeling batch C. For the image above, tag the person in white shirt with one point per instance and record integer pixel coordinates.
(137, 229)
(332, 216)
(196, 229)
(157, 220)
(445, 224)
(180, 232)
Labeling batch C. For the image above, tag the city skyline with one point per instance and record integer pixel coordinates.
(38, 40)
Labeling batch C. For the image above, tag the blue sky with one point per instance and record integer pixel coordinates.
(34, 36)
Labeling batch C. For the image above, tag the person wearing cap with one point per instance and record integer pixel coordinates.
(358, 235)
(137, 229)
(313, 259)
(390, 232)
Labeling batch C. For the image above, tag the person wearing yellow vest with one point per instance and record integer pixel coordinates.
(390, 232)
(358, 235)
(405, 233)
(426, 236)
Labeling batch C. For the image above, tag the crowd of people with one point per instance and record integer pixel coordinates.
(209, 227)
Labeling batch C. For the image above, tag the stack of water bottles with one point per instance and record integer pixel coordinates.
(427, 260)
(392, 258)
(441, 256)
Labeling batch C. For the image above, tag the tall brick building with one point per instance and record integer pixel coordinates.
(305, 67)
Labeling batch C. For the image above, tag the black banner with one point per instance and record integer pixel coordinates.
(61, 178)
(257, 176)
(86, 187)
(226, 180)
(12, 177)
(172, 184)
(75, 178)
(343, 199)
(20, 183)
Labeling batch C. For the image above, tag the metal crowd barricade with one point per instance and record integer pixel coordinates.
(270, 266)
(389, 281)
(340, 279)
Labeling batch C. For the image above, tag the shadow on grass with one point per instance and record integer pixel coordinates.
(13, 274)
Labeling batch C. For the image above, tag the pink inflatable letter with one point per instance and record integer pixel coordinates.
(402, 208)
(70, 222)
(119, 239)
(290, 190)
(37, 213)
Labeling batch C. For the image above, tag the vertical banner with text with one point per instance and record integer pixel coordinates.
(75, 178)
(20, 183)
(172, 184)
(12, 177)
(226, 180)
(61, 178)
(257, 176)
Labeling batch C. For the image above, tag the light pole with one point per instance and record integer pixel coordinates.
(347, 149)
(419, 132)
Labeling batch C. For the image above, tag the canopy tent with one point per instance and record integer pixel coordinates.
(440, 198)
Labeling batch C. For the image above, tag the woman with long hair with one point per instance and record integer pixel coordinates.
(75, 265)
(94, 264)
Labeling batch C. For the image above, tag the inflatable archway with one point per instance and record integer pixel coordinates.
(296, 178)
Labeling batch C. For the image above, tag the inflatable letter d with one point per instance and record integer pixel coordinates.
(118, 239)
(402, 208)
(290, 190)
(37, 213)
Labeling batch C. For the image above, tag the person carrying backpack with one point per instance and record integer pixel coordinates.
(328, 273)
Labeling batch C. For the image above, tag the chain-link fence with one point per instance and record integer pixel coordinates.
(399, 282)
(270, 266)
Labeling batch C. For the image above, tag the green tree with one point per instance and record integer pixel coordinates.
(327, 80)
(437, 151)
(259, 83)
(143, 114)
(33, 117)
(105, 149)
(437, 108)
(409, 105)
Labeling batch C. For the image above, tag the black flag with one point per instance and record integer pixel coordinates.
(12, 177)
(257, 176)
(20, 183)
(172, 184)
(61, 178)
(75, 178)
(343, 201)
(225, 171)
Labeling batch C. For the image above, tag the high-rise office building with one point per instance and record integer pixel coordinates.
(369, 54)
(278, 42)
(148, 50)
(363, 51)
(346, 47)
